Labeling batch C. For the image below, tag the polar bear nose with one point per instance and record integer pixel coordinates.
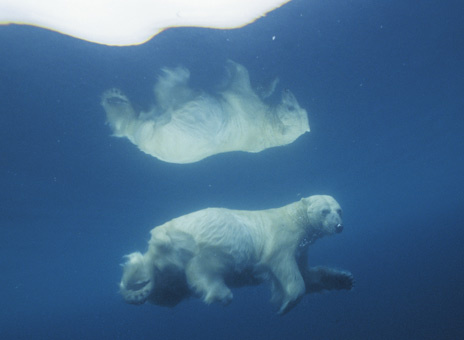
(339, 228)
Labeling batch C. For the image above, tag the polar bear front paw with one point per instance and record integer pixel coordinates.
(324, 278)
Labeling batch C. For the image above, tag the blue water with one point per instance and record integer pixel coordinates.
(382, 82)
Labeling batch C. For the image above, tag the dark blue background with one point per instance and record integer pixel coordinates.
(382, 82)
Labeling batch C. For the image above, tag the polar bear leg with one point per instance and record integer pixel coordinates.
(205, 277)
(288, 285)
(136, 283)
(119, 111)
(322, 278)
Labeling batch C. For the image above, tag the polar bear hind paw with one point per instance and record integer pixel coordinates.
(136, 284)
(135, 297)
(114, 97)
(220, 294)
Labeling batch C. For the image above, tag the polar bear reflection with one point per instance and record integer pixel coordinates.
(186, 125)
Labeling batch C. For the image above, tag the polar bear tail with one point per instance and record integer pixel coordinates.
(136, 283)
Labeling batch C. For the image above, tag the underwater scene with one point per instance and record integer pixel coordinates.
(253, 170)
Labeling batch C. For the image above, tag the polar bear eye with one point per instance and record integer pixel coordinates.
(339, 211)
(325, 212)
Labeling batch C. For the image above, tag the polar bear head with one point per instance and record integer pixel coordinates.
(324, 215)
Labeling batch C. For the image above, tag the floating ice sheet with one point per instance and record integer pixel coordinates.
(131, 22)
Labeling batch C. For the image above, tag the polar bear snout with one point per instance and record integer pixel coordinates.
(339, 228)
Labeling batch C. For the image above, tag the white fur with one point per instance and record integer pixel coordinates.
(205, 251)
(186, 125)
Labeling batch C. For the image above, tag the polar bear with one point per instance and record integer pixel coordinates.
(187, 125)
(206, 252)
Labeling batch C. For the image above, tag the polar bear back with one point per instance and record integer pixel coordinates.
(227, 231)
(248, 236)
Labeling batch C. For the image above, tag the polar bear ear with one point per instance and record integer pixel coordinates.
(309, 200)
(131, 22)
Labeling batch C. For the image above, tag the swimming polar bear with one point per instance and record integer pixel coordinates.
(205, 252)
(187, 125)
